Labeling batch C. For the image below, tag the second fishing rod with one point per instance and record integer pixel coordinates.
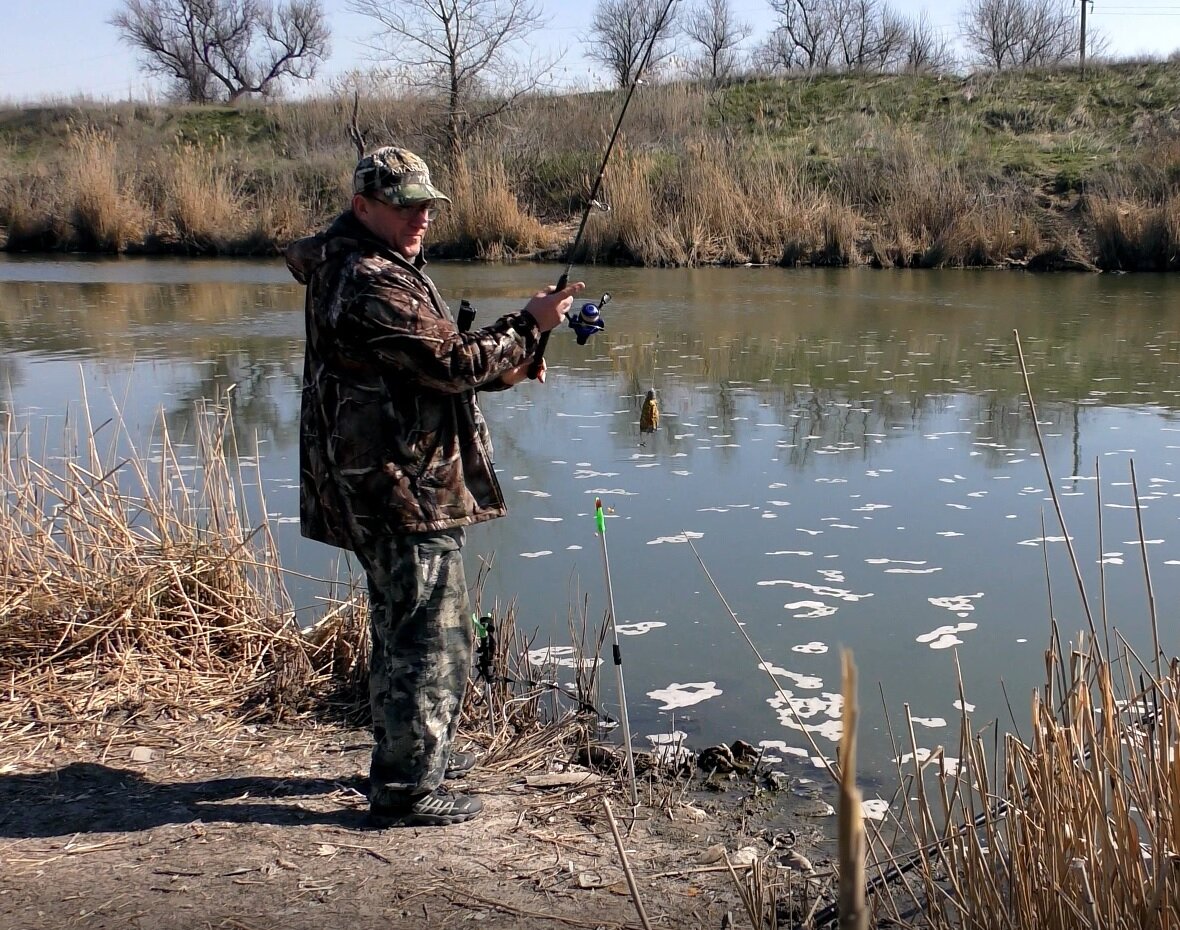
(658, 28)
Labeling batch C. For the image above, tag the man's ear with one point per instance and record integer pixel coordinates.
(360, 205)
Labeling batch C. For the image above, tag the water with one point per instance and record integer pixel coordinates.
(849, 451)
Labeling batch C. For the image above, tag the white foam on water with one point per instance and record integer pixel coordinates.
(800, 529)
(960, 604)
(713, 510)
(933, 723)
(895, 561)
(806, 682)
(810, 610)
(1146, 542)
(826, 705)
(533, 493)
(959, 705)
(520, 477)
(814, 648)
(833, 575)
(869, 508)
(287, 520)
(617, 492)
(944, 637)
(948, 533)
(912, 571)
(1037, 540)
(678, 695)
(563, 656)
(950, 765)
(779, 503)
(874, 808)
(670, 749)
(777, 745)
(573, 548)
(536, 555)
(821, 590)
(639, 628)
(684, 537)
(549, 519)
(791, 552)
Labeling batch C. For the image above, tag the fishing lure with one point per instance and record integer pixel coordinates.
(649, 416)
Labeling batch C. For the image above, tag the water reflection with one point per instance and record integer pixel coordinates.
(849, 450)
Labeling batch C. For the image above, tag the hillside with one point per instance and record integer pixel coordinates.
(1045, 169)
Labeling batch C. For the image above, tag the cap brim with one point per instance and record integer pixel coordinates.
(417, 193)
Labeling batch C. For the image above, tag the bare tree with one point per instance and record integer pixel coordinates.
(806, 27)
(224, 49)
(714, 27)
(776, 53)
(621, 30)
(1025, 33)
(871, 36)
(927, 51)
(460, 51)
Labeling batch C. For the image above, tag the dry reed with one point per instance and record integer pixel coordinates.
(133, 594)
(136, 592)
(1075, 828)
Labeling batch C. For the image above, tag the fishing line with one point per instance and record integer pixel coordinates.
(819, 756)
(591, 200)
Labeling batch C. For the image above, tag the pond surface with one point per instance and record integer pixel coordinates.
(850, 452)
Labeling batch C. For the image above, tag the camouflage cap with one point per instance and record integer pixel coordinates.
(396, 175)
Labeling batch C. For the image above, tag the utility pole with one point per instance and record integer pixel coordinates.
(1082, 50)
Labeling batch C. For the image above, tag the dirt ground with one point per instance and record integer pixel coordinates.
(269, 831)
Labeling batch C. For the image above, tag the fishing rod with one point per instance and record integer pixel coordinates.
(592, 201)
(600, 526)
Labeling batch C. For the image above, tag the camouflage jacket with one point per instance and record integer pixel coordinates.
(391, 439)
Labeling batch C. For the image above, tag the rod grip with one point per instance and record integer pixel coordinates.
(535, 367)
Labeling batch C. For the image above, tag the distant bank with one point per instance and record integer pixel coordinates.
(1037, 169)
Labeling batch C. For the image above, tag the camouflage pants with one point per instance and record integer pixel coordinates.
(422, 640)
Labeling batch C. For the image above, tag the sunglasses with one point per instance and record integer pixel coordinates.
(429, 207)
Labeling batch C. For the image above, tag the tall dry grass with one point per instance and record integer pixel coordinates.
(824, 170)
(1133, 235)
(138, 593)
(130, 589)
(106, 214)
(200, 196)
(485, 217)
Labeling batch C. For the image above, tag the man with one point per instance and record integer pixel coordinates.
(395, 460)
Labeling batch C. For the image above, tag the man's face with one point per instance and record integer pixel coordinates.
(401, 228)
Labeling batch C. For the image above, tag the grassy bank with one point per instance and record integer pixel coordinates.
(1036, 169)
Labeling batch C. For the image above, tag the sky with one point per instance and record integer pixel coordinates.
(61, 49)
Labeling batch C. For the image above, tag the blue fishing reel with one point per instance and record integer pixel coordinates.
(588, 321)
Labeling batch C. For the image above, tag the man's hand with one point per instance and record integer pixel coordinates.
(549, 307)
(513, 376)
